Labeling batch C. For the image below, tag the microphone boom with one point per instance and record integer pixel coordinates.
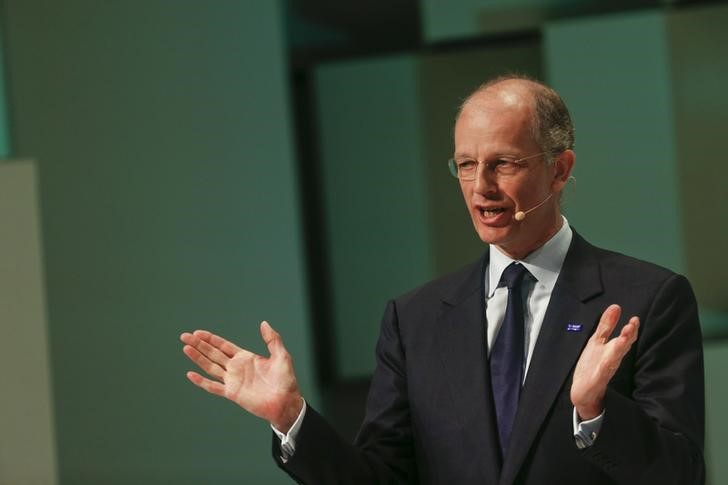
(520, 215)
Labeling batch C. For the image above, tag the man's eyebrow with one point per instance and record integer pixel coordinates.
(495, 156)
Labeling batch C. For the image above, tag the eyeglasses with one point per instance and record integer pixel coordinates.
(467, 169)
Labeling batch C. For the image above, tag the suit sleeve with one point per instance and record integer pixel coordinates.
(382, 452)
(656, 434)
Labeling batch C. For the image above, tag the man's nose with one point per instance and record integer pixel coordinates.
(485, 180)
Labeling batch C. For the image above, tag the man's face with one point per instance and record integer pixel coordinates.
(493, 126)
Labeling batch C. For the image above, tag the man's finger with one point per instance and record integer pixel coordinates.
(629, 335)
(634, 322)
(213, 387)
(609, 320)
(203, 362)
(188, 338)
(229, 348)
(272, 339)
(212, 353)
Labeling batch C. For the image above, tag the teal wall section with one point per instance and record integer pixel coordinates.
(444, 21)
(169, 202)
(4, 125)
(699, 73)
(374, 195)
(469, 18)
(613, 72)
(716, 402)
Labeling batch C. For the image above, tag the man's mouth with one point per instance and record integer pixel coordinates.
(492, 211)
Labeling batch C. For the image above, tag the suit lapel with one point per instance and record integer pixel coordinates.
(556, 350)
(461, 334)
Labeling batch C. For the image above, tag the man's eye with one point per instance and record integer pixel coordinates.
(504, 166)
(467, 165)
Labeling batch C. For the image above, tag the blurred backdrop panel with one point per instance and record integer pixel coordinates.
(468, 19)
(27, 446)
(169, 202)
(613, 72)
(4, 122)
(374, 196)
(716, 402)
(699, 72)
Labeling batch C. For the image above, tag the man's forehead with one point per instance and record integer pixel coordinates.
(504, 96)
(500, 108)
(498, 115)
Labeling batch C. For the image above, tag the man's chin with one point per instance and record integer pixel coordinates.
(493, 235)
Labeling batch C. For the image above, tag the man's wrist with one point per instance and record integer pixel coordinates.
(586, 413)
(289, 414)
(586, 431)
(288, 439)
(591, 408)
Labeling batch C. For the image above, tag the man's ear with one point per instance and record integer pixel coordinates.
(563, 165)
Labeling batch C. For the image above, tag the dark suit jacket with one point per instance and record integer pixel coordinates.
(430, 416)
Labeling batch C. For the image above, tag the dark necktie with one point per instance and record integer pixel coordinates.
(506, 356)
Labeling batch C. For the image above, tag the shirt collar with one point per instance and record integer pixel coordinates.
(544, 263)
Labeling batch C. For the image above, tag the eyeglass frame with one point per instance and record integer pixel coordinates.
(491, 165)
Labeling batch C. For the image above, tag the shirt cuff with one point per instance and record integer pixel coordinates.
(288, 440)
(586, 432)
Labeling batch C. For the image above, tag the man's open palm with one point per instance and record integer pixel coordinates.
(599, 361)
(263, 386)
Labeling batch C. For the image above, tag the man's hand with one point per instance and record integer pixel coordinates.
(599, 361)
(265, 387)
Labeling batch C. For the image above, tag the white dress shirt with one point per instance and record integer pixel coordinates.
(544, 266)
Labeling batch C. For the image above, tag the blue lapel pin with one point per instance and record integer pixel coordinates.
(573, 327)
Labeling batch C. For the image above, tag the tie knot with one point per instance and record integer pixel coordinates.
(513, 275)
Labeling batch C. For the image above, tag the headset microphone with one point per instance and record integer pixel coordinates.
(520, 215)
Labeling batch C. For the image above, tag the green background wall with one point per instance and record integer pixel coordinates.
(4, 125)
(626, 195)
(698, 42)
(374, 196)
(168, 202)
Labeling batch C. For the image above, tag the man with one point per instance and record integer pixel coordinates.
(518, 368)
